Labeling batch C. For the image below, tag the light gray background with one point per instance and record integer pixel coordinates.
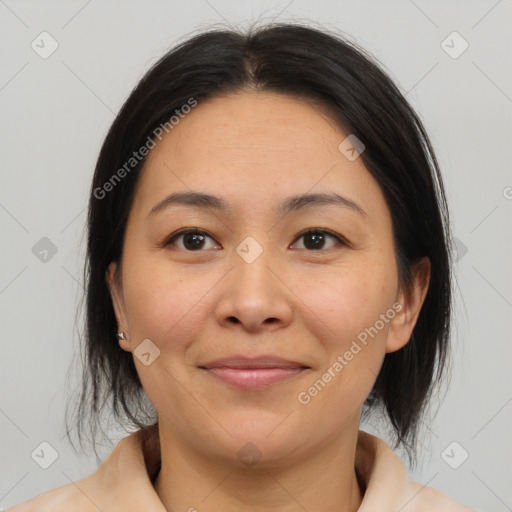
(55, 114)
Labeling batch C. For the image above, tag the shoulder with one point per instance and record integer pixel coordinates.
(420, 498)
(61, 499)
(427, 499)
(121, 483)
(388, 484)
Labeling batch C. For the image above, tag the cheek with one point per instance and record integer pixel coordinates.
(350, 299)
(165, 307)
(162, 304)
(352, 314)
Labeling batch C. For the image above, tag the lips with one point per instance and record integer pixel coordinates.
(241, 362)
(253, 373)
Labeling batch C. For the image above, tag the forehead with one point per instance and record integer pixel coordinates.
(258, 145)
(257, 124)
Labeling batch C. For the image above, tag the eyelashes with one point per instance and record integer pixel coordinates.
(198, 234)
(194, 240)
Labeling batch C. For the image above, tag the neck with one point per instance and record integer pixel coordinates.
(324, 479)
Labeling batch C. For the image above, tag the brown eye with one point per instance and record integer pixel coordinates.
(192, 240)
(315, 239)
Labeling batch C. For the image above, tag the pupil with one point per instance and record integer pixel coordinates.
(317, 238)
(199, 240)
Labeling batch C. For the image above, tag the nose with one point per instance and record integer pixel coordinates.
(255, 296)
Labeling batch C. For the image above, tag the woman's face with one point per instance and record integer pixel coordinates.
(252, 285)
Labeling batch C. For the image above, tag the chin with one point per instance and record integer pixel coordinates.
(262, 441)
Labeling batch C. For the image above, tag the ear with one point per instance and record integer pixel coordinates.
(116, 293)
(403, 323)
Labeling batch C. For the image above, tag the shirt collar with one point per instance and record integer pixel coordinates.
(127, 475)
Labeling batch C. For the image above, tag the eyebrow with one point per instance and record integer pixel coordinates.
(290, 204)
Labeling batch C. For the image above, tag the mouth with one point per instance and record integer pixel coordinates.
(246, 373)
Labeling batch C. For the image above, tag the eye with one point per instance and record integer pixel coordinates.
(315, 239)
(193, 239)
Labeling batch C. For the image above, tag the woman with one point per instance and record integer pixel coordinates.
(269, 243)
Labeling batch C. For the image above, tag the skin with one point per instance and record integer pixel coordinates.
(253, 149)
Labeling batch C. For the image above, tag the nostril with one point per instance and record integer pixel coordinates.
(234, 319)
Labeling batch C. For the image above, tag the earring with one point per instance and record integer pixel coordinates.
(120, 336)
